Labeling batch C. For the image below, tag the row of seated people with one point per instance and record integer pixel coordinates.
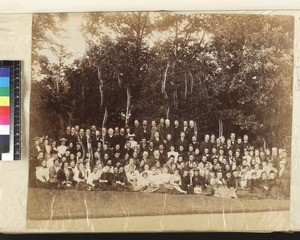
(223, 179)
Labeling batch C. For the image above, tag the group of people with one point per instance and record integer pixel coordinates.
(162, 157)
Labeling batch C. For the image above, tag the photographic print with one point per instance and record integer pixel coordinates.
(159, 113)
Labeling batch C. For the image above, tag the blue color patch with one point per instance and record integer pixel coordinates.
(4, 81)
(4, 72)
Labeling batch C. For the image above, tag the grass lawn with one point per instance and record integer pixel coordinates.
(72, 204)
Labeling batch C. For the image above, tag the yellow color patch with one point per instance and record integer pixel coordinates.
(4, 101)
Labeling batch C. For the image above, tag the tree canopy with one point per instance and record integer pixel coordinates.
(235, 68)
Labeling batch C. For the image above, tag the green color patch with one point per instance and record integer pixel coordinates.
(4, 91)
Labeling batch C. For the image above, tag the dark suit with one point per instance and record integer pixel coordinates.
(129, 151)
(195, 145)
(83, 140)
(190, 133)
(35, 151)
(147, 161)
(284, 182)
(212, 145)
(150, 151)
(121, 140)
(246, 145)
(204, 145)
(70, 138)
(177, 132)
(110, 141)
(163, 155)
(107, 151)
(144, 147)
(161, 130)
(169, 144)
(183, 143)
(186, 131)
(239, 146)
(186, 181)
(106, 185)
(137, 131)
(156, 143)
(145, 133)
(152, 161)
(61, 175)
(198, 181)
(230, 182)
(169, 130)
(95, 139)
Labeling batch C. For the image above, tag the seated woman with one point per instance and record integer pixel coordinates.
(42, 175)
(120, 181)
(209, 182)
(221, 189)
(176, 183)
(129, 165)
(270, 168)
(186, 183)
(158, 167)
(106, 179)
(132, 176)
(141, 166)
(242, 184)
(53, 182)
(277, 191)
(147, 169)
(162, 181)
(165, 176)
(198, 182)
(262, 190)
(254, 176)
(204, 172)
(173, 167)
(80, 177)
(142, 183)
(230, 181)
(93, 179)
(65, 177)
(155, 180)
(284, 179)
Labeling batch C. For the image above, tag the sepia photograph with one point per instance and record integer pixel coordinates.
(159, 114)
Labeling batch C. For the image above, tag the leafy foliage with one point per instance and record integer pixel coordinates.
(237, 68)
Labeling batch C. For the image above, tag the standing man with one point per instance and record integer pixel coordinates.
(136, 130)
(195, 143)
(177, 130)
(145, 131)
(213, 143)
(182, 142)
(53, 174)
(95, 139)
(168, 129)
(161, 129)
(205, 144)
(185, 128)
(36, 148)
(110, 139)
(191, 130)
(67, 135)
(121, 139)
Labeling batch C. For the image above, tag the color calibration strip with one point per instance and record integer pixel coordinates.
(4, 110)
(10, 110)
